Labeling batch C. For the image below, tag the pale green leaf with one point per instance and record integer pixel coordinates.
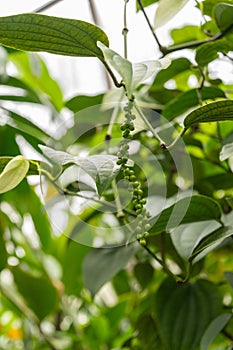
(166, 10)
(226, 152)
(13, 173)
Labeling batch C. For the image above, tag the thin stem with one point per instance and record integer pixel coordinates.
(150, 127)
(150, 26)
(125, 30)
(115, 81)
(227, 334)
(176, 140)
(46, 6)
(162, 263)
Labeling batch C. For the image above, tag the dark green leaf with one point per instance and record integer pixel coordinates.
(38, 292)
(229, 277)
(177, 66)
(223, 14)
(77, 103)
(148, 333)
(189, 99)
(184, 311)
(187, 210)
(143, 273)
(102, 264)
(3, 252)
(212, 112)
(62, 36)
(213, 238)
(209, 51)
(213, 329)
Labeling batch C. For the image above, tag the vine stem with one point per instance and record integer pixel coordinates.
(162, 48)
(150, 127)
(46, 6)
(125, 30)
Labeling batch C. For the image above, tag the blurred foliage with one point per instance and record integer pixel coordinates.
(74, 272)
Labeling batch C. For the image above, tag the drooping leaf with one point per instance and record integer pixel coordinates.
(190, 209)
(223, 14)
(80, 102)
(226, 152)
(13, 173)
(122, 66)
(38, 292)
(102, 264)
(212, 112)
(213, 238)
(166, 10)
(102, 168)
(184, 311)
(62, 36)
(208, 52)
(189, 99)
(213, 329)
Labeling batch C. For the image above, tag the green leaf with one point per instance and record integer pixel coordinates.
(226, 152)
(145, 3)
(229, 277)
(33, 170)
(143, 273)
(80, 102)
(19, 122)
(208, 52)
(213, 329)
(186, 34)
(102, 264)
(39, 293)
(34, 73)
(102, 168)
(212, 112)
(166, 10)
(177, 66)
(122, 66)
(212, 239)
(62, 36)
(3, 252)
(13, 173)
(223, 14)
(189, 209)
(184, 311)
(207, 6)
(189, 99)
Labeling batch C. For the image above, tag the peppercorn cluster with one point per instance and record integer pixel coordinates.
(129, 174)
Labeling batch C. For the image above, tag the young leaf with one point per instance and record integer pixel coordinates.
(226, 152)
(101, 264)
(223, 14)
(184, 311)
(213, 238)
(166, 10)
(212, 112)
(14, 172)
(213, 329)
(33, 170)
(62, 36)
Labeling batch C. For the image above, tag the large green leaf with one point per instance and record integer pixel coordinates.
(213, 329)
(212, 239)
(102, 264)
(38, 292)
(223, 14)
(80, 102)
(189, 99)
(184, 311)
(195, 209)
(212, 112)
(62, 36)
(167, 9)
